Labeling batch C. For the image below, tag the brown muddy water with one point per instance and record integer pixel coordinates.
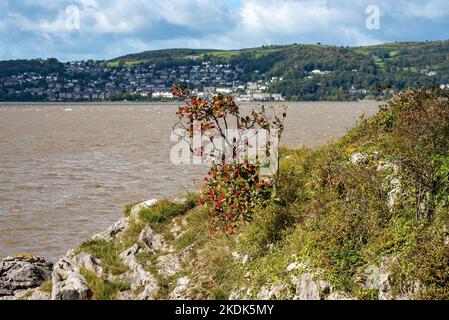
(67, 170)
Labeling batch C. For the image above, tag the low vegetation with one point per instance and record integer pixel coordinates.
(377, 196)
(103, 289)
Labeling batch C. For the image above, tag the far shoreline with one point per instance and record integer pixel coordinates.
(19, 103)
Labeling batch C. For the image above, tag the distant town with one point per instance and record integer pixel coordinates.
(270, 73)
(91, 80)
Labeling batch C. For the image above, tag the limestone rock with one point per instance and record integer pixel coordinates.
(179, 200)
(150, 290)
(180, 291)
(113, 231)
(273, 292)
(89, 262)
(293, 266)
(68, 283)
(134, 213)
(168, 265)
(385, 286)
(176, 230)
(138, 276)
(32, 294)
(307, 288)
(185, 254)
(337, 295)
(357, 158)
(236, 295)
(379, 278)
(6, 293)
(23, 294)
(151, 241)
(394, 193)
(125, 295)
(383, 166)
(39, 295)
(237, 256)
(372, 274)
(20, 272)
(241, 294)
(128, 256)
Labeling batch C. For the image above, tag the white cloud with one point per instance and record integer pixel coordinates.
(114, 27)
(432, 9)
(290, 17)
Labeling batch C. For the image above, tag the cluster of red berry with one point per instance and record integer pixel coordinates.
(230, 192)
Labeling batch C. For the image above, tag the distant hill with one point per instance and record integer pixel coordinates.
(297, 71)
(368, 69)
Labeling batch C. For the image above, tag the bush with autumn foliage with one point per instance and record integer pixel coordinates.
(235, 184)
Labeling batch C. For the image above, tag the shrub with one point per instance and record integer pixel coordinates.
(417, 123)
(231, 192)
(234, 185)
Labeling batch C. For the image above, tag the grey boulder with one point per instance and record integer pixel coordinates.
(113, 231)
(89, 262)
(68, 283)
(151, 241)
(309, 288)
(21, 272)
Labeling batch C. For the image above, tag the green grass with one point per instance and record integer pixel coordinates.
(112, 64)
(127, 209)
(379, 62)
(47, 286)
(103, 289)
(107, 252)
(126, 63)
(163, 211)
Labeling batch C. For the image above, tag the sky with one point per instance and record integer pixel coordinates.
(104, 29)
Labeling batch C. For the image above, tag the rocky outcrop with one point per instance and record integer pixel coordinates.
(68, 283)
(152, 259)
(180, 291)
(21, 272)
(242, 293)
(338, 295)
(38, 294)
(122, 224)
(394, 193)
(134, 213)
(88, 261)
(113, 231)
(308, 287)
(176, 230)
(138, 276)
(168, 265)
(358, 158)
(243, 258)
(151, 241)
(276, 291)
(379, 278)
